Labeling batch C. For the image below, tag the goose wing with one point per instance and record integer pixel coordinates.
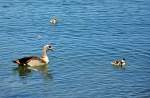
(25, 60)
(35, 61)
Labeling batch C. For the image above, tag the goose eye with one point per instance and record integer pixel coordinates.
(49, 46)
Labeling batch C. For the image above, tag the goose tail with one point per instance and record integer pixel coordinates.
(16, 61)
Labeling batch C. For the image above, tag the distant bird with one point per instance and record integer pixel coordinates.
(34, 60)
(53, 20)
(119, 62)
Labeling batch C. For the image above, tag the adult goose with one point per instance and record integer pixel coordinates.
(34, 60)
(119, 62)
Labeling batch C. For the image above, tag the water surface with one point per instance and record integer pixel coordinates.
(88, 36)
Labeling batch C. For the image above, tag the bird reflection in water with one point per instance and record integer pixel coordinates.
(24, 71)
(120, 67)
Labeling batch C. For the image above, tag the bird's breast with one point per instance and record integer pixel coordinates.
(45, 59)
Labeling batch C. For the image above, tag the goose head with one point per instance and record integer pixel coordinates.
(48, 47)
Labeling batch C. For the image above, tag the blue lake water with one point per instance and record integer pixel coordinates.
(88, 36)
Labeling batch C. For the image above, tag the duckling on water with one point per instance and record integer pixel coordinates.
(53, 20)
(119, 62)
(34, 60)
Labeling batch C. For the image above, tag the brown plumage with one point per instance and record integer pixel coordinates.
(34, 60)
(25, 60)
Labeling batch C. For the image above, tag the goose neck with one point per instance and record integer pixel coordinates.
(44, 52)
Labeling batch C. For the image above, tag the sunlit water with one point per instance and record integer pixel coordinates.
(88, 36)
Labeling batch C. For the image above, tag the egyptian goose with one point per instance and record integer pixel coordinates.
(119, 62)
(53, 20)
(34, 60)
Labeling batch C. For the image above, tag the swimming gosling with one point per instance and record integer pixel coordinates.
(53, 20)
(34, 60)
(119, 62)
